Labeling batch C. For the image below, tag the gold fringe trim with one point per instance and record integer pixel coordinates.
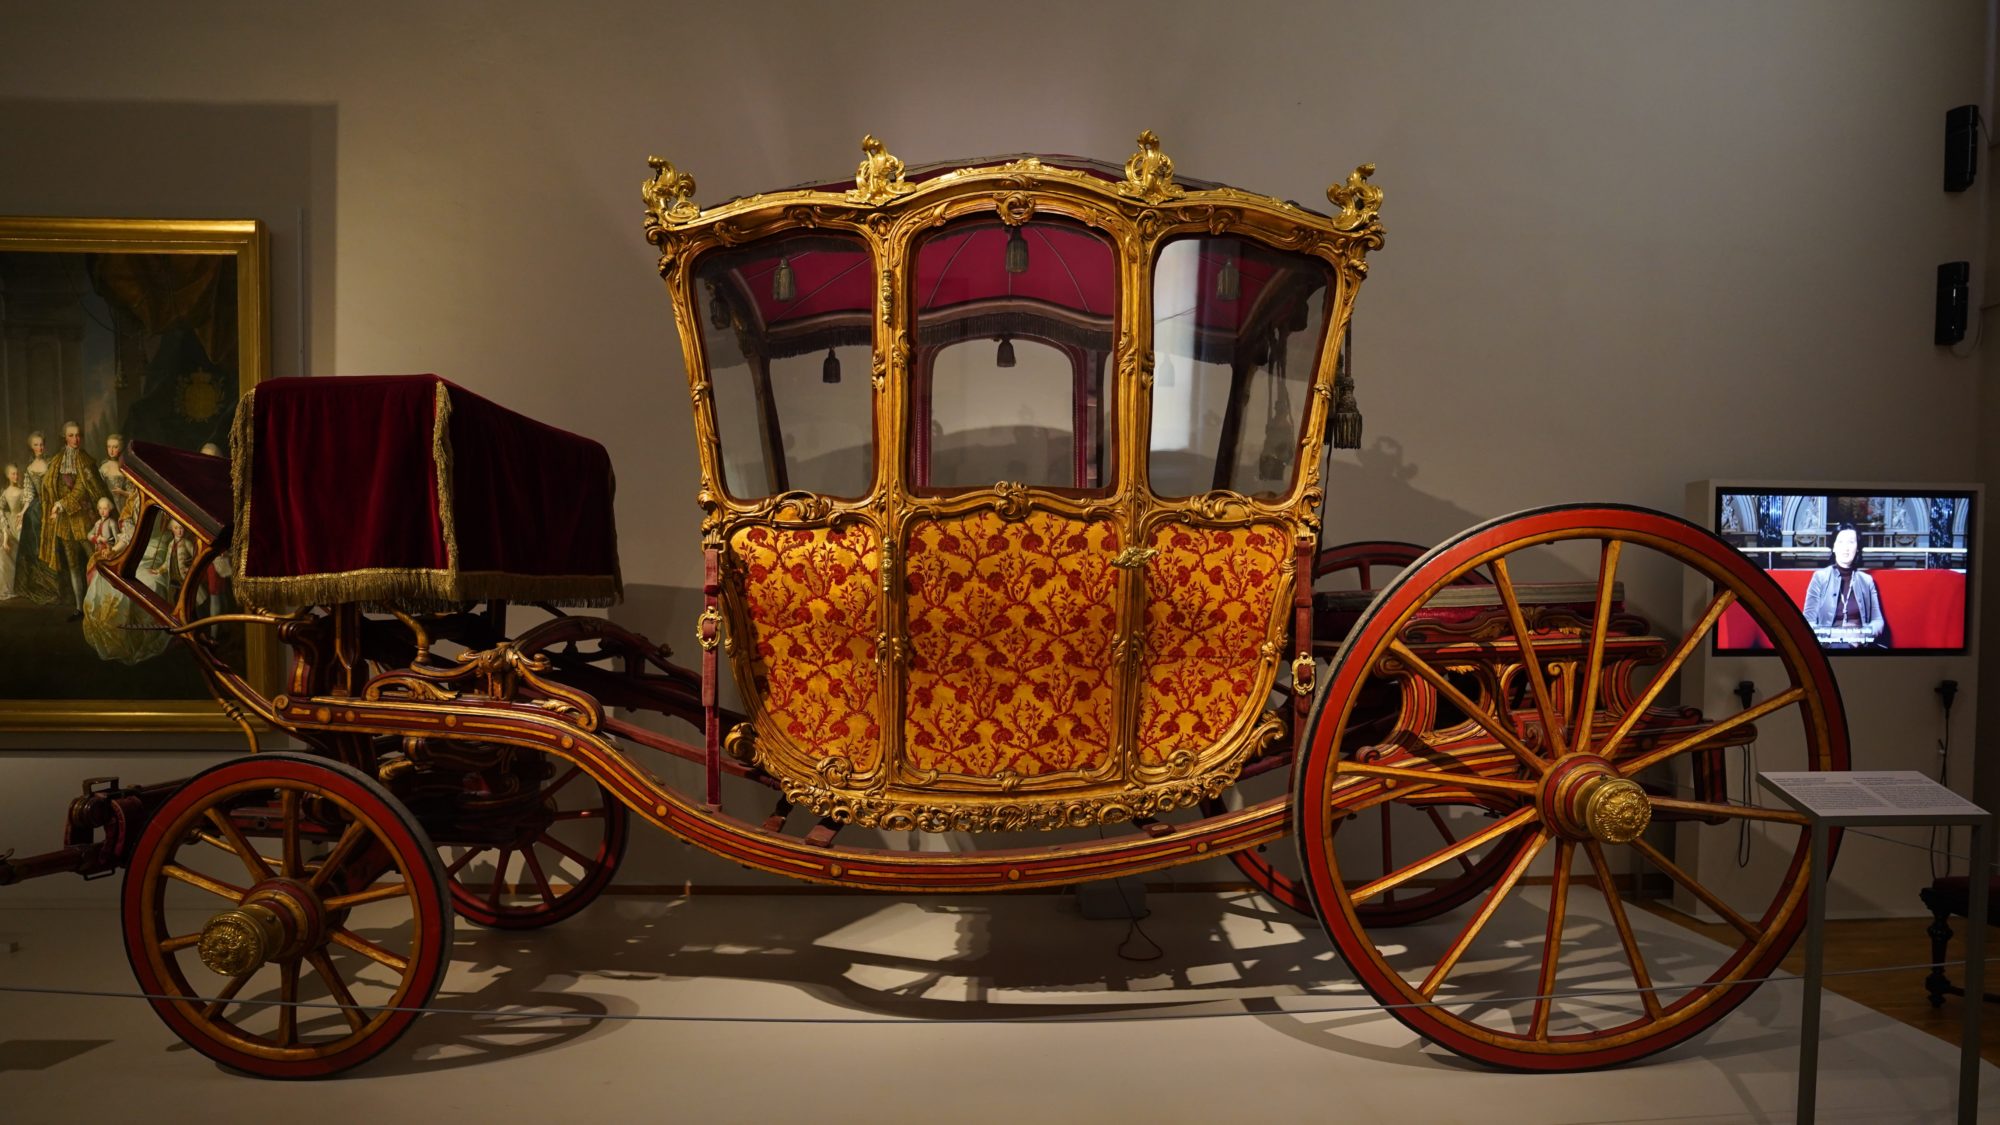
(441, 462)
(241, 435)
(405, 587)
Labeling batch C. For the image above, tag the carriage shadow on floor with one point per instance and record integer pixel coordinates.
(632, 962)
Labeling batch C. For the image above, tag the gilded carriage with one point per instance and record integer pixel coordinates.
(1012, 478)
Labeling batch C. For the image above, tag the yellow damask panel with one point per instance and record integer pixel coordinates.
(813, 599)
(1011, 627)
(1209, 594)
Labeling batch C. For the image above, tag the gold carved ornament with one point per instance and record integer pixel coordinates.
(879, 176)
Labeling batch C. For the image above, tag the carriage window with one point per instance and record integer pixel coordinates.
(1014, 330)
(787, 327)
(1237, 329)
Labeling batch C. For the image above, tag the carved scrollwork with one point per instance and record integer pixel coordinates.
(1220, 505)
(741, 743)
(1011, 500)
(879, 176)
(1358, 200)
(397, 685)
(1149, 173)
(1017, 812)
(1015, 207)
(669, 196)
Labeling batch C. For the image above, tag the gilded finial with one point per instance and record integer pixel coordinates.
(879, 175)
(1149, 173)
(669, 195)
(1357, 199)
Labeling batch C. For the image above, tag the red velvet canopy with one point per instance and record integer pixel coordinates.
(408, 489)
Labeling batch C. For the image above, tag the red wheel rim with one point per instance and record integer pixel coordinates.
(369, 902)
(1328, 786)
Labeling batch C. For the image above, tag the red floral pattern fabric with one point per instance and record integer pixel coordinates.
(1209, 597)
(1011, 628)
(813, 596)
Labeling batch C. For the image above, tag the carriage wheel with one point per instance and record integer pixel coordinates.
(562, 851)
(289, 878)
(1361, 564)
(1568, 789)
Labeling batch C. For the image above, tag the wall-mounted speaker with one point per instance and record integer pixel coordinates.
(1961, 147)
(1954, 299)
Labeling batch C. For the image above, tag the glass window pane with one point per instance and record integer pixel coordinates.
(1237, 329)
(787, 329)
(1015, 327)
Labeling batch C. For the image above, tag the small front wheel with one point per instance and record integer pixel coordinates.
(286, 915)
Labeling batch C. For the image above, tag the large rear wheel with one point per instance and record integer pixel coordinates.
(1570, 760)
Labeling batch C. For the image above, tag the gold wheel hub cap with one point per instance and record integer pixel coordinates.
(1616, 810)
(236, 941)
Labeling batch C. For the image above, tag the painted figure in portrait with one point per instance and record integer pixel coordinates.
(13, 506)
(98, 350)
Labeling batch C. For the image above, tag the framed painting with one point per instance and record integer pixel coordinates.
(114, 331)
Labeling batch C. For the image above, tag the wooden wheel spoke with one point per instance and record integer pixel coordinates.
(1609, 889)
(1444, 830)
(1440, 777)
(1491, 832)
(221, 999)
(1668, 671)
(541, 880)
(565, 779)
(182, 941)
(1477, 923)
(580, 814)
(218, 843)
(564, 850)
(348, 939)
(288, 998)
(1495, 725)
(459, 864)
(1607, 580)
(290, 862)
(343, 850)
(378, 893)
(499, 878)
(1544, 706)
(1545, 985)
(256, 864)
(1737, 812)
(197, 879)
(1781, 700)
(1695, 888)
(337, 988)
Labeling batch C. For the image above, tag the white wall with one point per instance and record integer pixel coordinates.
(1630, 245)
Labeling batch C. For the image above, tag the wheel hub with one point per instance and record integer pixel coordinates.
(279, 919)
(1584, 798)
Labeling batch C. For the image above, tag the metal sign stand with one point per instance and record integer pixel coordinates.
(1885, 797)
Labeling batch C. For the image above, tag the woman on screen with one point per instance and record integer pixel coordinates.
(1841, 603)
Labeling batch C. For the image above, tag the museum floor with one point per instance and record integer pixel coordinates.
(832, 1008)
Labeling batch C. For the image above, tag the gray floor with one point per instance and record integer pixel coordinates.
(1268, 1025)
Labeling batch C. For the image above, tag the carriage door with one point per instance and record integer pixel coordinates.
(1237, 333)
(1012, 598)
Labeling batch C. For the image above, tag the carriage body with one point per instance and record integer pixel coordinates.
(1053, 589)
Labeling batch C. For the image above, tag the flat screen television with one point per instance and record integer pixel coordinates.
(1876, 569)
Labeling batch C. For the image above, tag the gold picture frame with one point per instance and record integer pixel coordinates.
(115, 325)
